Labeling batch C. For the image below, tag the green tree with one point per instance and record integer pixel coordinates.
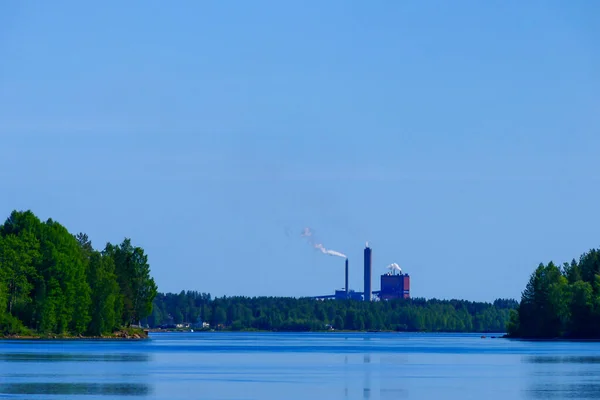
(219, 316)
(17, 256)
(55, 282)
(561, 303)
(582, 309)
(133, 274)
(105, 305)
(289, 314)
(589, 266)
(62, 259)
(543, 311)
(572, 272)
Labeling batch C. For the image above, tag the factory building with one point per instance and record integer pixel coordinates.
(394, 286)
(351, 295)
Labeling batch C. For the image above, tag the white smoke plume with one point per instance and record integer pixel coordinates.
(308, 233)
(394, 267)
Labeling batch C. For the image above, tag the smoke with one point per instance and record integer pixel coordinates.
(394, 267)
(308, 234)
(330, 252)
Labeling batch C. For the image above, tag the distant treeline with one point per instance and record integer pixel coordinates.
(53, 282)
(561, 302)
(291, 314)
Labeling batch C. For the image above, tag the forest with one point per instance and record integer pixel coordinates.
(54, 282)
(304, 314)
(560, 301)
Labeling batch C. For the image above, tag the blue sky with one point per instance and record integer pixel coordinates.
(459, 138)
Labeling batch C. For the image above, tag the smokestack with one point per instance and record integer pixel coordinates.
(368, 262)
(346, 278)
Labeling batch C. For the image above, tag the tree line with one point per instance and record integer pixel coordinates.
(561, 301)
(305, 314)
(55, 282)
(52, 281)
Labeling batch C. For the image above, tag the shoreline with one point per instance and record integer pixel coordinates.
(558, 339)
(483, 335)
(68, 338)
(127, 335)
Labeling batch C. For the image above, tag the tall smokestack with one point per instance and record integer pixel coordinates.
(368, 262)
(346, 278)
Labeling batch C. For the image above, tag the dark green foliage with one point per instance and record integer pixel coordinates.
(561, 302)
(54, 282)
(290, 314)
(10, 325)
(106, 299)
(133, 273)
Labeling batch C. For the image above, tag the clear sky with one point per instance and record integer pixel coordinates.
(460, 139)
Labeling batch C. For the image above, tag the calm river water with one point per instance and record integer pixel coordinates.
(300, 366)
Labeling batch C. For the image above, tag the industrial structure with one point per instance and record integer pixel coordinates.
(393, 284)
(346, 286)
(368, 272)
(346, 293)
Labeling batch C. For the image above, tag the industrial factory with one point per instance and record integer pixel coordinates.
(393, 284)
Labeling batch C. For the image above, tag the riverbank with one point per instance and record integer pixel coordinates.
(122, 334)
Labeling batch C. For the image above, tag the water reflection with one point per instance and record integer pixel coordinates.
(436, 367)
(367, 385)
(53, 357)
(562, 359)
(563, 376)
(95, 389)
(562, 391)
(378, 383)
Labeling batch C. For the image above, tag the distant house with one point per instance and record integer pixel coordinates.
(201, 325)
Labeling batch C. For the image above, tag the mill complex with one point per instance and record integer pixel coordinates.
(393, 284)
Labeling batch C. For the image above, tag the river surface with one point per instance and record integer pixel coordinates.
(300, 366)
